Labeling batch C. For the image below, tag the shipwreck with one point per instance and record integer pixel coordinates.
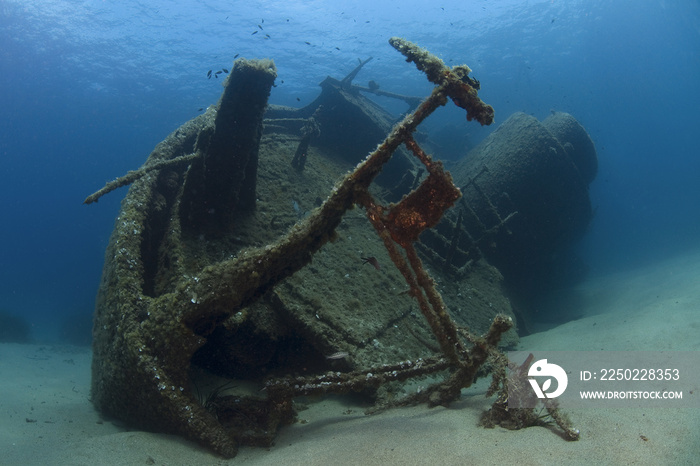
(238, 255)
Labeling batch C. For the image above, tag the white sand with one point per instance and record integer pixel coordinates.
(46, 416)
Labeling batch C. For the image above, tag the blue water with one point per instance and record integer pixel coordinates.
(88, 88)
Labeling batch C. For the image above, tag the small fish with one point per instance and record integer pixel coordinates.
(254, 32)
(225, 70)
(338, 355)
(267, 36)
(200, 109)
(218, 72)
(300, 213)
(209, 74)
(260, 27)
(307, 42)
(372, 261)
(236, 56)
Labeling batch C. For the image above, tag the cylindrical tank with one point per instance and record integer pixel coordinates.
(525, 196)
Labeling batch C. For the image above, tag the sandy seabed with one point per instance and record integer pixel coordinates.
(46, 416)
